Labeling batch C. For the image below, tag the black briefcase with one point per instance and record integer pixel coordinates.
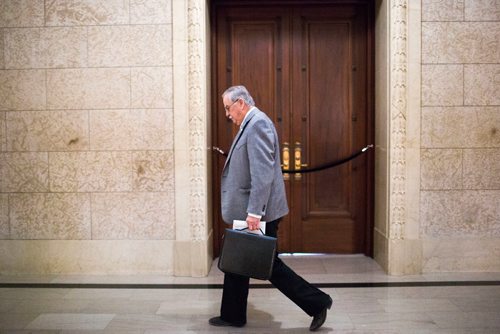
(247, 254)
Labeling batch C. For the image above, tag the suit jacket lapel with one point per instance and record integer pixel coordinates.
(238, 135)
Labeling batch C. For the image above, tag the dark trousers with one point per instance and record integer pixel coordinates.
(234, 296)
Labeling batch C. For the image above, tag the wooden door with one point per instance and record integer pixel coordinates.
(309, 68)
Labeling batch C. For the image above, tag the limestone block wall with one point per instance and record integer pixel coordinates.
(460, 135)
(86, 136)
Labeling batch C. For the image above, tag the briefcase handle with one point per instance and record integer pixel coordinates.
(246, 228)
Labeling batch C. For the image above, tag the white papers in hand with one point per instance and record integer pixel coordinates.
(241, 224)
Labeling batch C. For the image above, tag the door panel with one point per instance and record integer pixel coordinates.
(332, 216)
(307, 67)
(249, 39)
(252, 49)
(327, 46)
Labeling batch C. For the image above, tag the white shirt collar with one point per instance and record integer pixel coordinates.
(246, 115)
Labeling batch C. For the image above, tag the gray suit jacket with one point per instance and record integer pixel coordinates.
(252, 181)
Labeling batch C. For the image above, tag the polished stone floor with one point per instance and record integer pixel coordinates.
(366, 300)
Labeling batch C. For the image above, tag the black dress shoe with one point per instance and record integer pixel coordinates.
(319, 319)
(217, 321)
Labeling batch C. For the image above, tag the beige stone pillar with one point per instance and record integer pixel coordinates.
(193, 245)
(398, 247)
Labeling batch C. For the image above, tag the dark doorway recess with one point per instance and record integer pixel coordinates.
(309, 66)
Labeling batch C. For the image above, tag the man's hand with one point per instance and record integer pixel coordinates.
(253, 223)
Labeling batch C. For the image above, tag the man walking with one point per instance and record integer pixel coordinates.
(252, 189)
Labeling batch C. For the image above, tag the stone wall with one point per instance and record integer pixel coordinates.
(102, 170)
(86, 136)
(460, 135)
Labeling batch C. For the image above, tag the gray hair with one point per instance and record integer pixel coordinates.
(239, 92)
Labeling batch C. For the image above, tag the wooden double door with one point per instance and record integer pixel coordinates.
(309, 68)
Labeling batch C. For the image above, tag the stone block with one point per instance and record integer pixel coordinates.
(460, 42)
(65, 47)
(86, 12)
(461, 254)
(441, 169)
(153, 171)
(442, 85)
(50, 216)
(482, 10)
(150, 12)
(443, 10)
(90, 171)
(22, 90)
(91, 88)
(481, 84)
(140, 45)
(482, 169)
(45, 48)
(24, 48)
(452, 214)
(21, 13)
(47, 130)
(133, 129)
(133, 216)
(461, 127)
(152, 87)
(24, 172)
(86, 257)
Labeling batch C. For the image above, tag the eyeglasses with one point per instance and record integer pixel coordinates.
(229, 106)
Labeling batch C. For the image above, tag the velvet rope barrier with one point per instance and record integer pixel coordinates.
(317, 168)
